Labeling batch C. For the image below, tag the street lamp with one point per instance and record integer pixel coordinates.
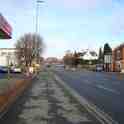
(37, 10)
(38, 3)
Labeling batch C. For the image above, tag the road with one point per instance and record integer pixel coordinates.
(3, 75)
(105, 90)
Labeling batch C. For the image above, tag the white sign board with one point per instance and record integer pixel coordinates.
(108, 59)
(5, 26)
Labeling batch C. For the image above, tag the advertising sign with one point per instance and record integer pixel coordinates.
(5, 28)
(108, 59)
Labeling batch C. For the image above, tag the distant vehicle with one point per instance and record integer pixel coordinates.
(59, 65)
(99, 67)
(3, 69)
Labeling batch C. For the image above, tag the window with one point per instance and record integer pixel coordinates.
(118, 54)
(3, 53)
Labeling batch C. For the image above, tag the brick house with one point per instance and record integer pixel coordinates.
(118, 59)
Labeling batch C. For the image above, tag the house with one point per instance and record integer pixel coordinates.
(7, 56)
(88, 55)
(118, 58)
(51, 60)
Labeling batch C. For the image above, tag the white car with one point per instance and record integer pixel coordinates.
(99, 68)
(16, 70)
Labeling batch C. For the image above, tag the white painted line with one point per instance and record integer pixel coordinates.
(100, 115)
(108, 89)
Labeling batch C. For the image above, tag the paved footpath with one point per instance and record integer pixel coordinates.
(47, 102)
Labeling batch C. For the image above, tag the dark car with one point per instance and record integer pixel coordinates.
(3, 69)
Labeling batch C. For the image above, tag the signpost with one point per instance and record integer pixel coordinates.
(108, 59)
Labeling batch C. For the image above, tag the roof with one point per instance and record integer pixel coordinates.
(89, 55)
(120, 46)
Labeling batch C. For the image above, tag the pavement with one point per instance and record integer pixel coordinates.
(46, 101)
(104, 90)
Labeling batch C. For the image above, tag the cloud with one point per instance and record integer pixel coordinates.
(86, 4)
(55, 47)
(118, 26)
(64, 28)
(117, 20)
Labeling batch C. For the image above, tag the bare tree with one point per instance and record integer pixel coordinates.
(29, 49)
(100, 57)
(68, 58)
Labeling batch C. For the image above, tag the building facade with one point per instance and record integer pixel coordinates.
(8, 56)
(118, 59)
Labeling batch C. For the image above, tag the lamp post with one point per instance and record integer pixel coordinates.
(38, 2)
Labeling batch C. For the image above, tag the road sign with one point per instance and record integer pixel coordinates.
(108, 59)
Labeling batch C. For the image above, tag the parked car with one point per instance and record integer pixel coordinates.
(3, 69)
(59, 66)
(99, 67)
(16, 70)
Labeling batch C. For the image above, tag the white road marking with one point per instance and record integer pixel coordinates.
(108, 89)
(100, 115)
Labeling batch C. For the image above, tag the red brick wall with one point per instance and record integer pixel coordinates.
(113, 61)
(116, 58)
(123, 53)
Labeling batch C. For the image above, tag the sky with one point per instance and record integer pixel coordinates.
(66, 24)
